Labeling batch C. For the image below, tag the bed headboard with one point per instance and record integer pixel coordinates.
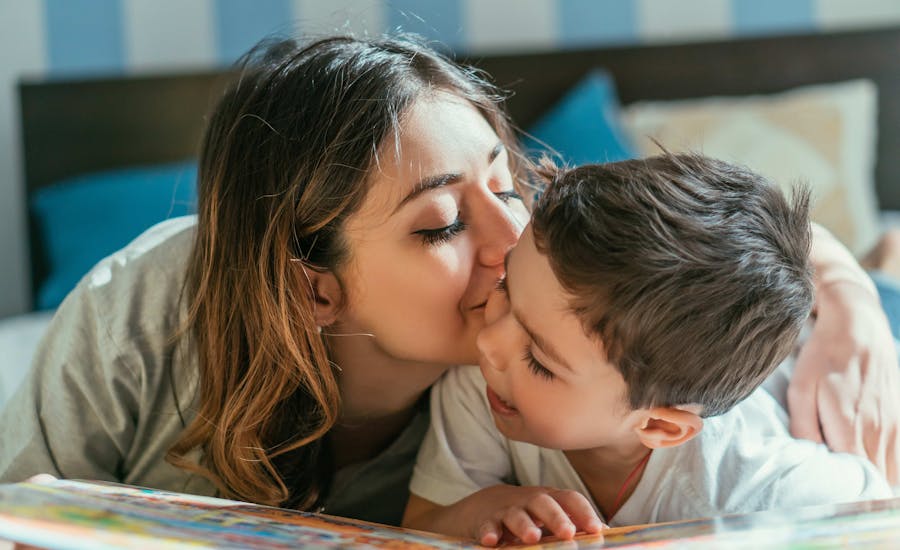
(734, 67)
(71, 127)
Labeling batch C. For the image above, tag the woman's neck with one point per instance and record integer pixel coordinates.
(355, 442)
(610, 474)
(379, 394)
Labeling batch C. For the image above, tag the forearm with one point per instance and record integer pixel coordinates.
(833, 263)
(844, 389)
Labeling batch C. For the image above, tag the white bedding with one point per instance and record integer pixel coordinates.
(19, 337)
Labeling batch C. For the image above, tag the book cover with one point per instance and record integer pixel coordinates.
(80, 514)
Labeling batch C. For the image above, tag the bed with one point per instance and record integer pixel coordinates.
(115, 135)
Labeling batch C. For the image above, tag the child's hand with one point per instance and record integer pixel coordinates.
(529, 512)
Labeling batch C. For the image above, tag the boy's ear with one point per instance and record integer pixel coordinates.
(668, 426)
(327, 293)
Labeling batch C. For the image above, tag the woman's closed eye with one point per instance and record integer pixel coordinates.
(441, 234)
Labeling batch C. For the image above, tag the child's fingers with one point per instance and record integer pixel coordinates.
(520, 524)
(547, 511)
(490, 532)
(579, 511)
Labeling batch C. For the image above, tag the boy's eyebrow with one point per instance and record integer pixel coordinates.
(495, 152)
(539, 341)
(440, 180)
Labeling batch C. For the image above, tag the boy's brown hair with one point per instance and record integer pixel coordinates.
(694, 272)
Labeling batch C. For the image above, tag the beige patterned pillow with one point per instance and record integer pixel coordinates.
(823, 135)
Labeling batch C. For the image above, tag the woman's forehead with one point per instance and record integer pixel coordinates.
(441, 135)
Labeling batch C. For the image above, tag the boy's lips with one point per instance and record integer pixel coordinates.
(498, 405)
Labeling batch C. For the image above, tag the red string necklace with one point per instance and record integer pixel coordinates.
(618, 502)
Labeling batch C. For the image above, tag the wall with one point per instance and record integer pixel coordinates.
(86, 37)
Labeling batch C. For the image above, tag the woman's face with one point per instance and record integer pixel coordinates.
(428, 244)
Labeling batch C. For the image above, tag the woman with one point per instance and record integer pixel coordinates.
(356, 202)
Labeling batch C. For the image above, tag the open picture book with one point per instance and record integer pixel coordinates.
(83, 514)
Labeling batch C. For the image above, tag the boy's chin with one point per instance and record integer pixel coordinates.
(521, 434)
(516, 432)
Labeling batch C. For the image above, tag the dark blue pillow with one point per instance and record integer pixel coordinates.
(583, 127)
(81, 220)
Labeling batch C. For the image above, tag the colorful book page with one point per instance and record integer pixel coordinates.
(97, 515)
(76, 514)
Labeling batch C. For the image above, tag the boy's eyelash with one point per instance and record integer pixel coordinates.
(501, 285)
(537, 368)
(507, 196)
(441, 234)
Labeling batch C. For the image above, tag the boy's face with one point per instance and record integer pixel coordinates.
(549, 383)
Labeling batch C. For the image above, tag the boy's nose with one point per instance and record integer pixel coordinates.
(488, 342)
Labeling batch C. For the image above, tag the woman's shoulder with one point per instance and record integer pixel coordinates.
(149, 270)
(159, 251)
(133, 298)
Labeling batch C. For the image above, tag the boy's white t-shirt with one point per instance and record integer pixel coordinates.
(742, 461)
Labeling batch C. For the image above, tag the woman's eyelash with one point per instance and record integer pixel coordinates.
(537, 368)
(507, 196)
(444, 234)
(441, 234)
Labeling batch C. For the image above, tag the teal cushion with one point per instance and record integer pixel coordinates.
(583, 127)
(81, 220)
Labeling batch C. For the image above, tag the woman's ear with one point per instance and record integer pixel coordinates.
(327, 293)
(669, 426)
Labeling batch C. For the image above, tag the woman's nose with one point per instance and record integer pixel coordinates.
(502, 227)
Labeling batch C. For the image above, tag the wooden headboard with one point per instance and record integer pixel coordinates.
(71, 127)
(735, 67)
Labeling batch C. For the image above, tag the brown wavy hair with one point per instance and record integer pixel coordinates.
(284, 163)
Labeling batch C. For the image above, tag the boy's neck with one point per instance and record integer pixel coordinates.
(605, 471)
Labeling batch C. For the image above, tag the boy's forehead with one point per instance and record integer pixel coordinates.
(543, 307)
(531, 271)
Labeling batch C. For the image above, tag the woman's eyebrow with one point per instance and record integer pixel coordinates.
(440, 180)
(429, 183)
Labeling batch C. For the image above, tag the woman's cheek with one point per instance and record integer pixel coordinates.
(522, 216)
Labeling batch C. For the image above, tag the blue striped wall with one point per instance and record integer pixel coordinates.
(90, 35)
(84, 36)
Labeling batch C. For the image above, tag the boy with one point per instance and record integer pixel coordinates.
(642, 306)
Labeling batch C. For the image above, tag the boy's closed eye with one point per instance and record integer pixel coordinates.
(536, 367)
(501, 285)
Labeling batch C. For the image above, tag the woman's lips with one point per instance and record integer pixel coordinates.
(500, 406)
